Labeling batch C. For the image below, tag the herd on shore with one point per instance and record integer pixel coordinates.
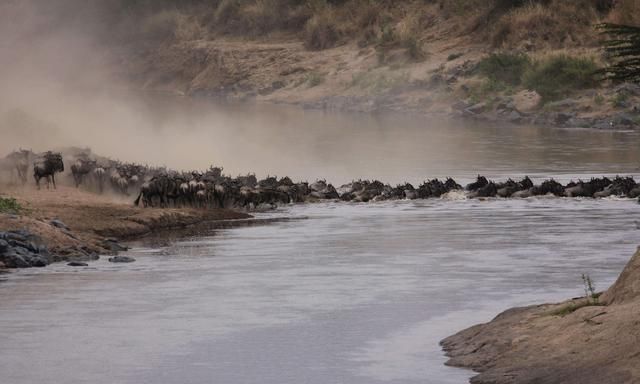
(160, 187)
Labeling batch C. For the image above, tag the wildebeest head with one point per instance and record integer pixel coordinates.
(480, 182)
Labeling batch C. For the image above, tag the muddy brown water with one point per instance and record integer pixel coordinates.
(338, 293)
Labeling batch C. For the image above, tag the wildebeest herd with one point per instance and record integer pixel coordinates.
(91, 172)
(159, 187)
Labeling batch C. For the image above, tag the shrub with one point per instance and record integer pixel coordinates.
(505, 67)
(313, 79)
(263, 16)
(321, 31)
(9, 205)
(557, 76)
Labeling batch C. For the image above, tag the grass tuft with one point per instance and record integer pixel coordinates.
(9, 205)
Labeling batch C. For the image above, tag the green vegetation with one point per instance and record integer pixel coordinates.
(313, 79)
(557, 76)
(620, 100)
(599, 99)
(591, 299)
(570, 308)
(553, 77)
(9, 205)
(505, 67)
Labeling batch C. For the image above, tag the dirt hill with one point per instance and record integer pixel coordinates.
(473, 58)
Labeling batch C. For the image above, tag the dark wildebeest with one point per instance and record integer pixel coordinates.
(81, 168)
(47, 166)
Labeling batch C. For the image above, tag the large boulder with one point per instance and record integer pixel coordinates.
(627, 287)
(22, 249)
(121, 259)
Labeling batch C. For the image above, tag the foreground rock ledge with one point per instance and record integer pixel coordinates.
(550, 343)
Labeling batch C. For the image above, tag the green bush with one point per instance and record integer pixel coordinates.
(505, 67)
(9, 205)
(557, 76)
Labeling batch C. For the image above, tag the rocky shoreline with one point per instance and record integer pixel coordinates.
(583, 340)
(78, 227)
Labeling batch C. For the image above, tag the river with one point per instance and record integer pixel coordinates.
(333, 293)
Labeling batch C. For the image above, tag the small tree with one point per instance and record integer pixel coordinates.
(624, 48)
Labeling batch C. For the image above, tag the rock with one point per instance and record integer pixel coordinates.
(460, 105)
(121, 259)
(515, 116)
(4, 246)
(22, 249)
(562, 104)
(38, 261)
(526, 101)
(113, 245)
(59, 224)
(562, 117)
(628, 88)
(477, 108)
(603, 124)
(624, 119)
(77, 264)
(580, 123)
(13, 260)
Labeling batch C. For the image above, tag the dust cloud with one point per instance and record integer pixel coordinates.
(61, 87)
(63, 84)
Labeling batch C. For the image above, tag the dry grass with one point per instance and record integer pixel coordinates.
(626, 12)
(321, 24)
(560, 24)
(322, 30)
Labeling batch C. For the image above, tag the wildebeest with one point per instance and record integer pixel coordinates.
(82, 168)
(19, 160)
(47, 166)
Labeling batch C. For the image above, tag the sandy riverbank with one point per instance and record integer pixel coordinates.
(91, 218)
(565, 343)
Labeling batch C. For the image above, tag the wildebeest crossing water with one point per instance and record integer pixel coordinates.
(212, 189)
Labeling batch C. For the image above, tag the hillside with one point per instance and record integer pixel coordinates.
(522, 61)
(473, 58)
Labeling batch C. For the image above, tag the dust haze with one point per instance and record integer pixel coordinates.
(65, 83)
(62, 86)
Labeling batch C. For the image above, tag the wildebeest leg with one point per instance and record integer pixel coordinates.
(53, 180)
(37, 178)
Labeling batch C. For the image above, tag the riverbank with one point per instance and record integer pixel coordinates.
(577, 341)
(73, 223)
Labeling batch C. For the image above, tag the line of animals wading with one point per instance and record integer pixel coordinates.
(212, 189)
(159, 187)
